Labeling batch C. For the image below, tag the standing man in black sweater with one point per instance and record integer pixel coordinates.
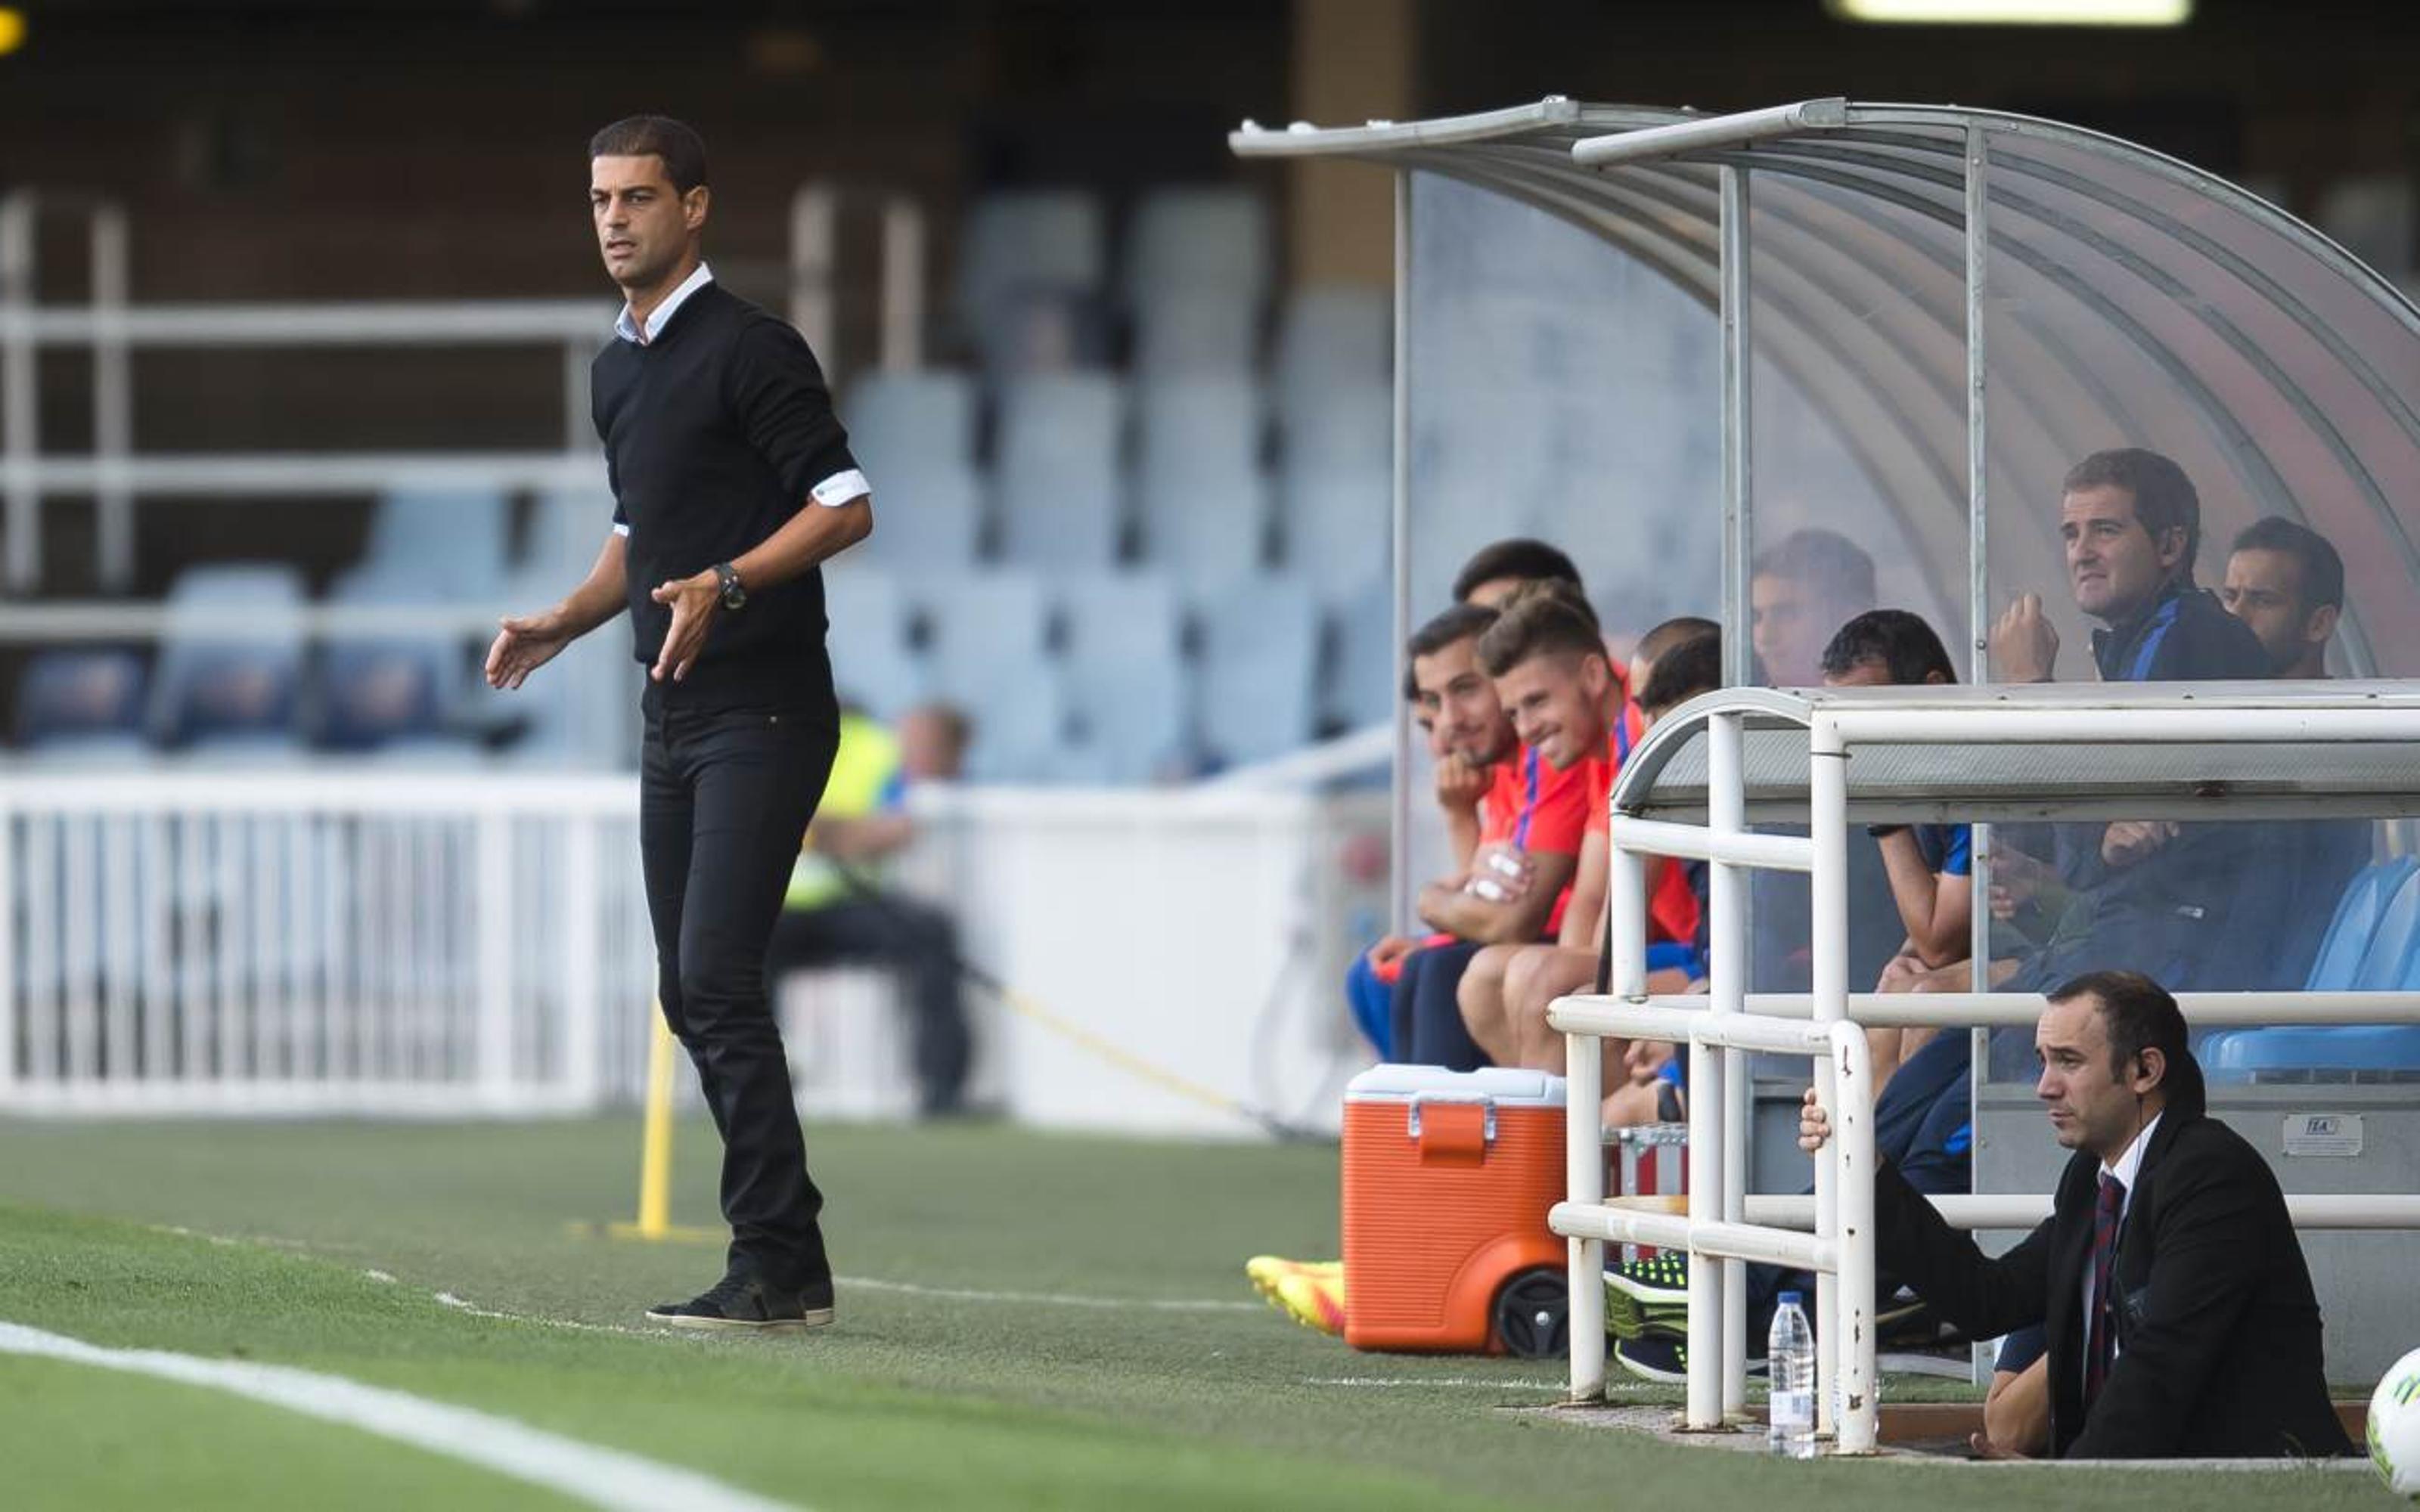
(732, 480)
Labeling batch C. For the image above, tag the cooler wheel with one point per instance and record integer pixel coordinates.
(1533, 1315)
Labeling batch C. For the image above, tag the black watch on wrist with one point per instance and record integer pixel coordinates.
(1880, 831)
(735, 595)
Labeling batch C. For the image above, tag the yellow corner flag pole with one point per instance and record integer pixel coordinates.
(656, 1153)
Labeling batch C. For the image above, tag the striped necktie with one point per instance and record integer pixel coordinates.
(2101, 1339)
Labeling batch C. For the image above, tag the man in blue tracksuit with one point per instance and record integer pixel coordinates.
(2152, 896)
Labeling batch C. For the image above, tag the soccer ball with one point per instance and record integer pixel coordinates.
(2395, 1427)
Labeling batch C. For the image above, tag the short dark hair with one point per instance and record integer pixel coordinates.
(1828, 560)
(1672, 632)
(2164, 498)
(1520, 556)
(1682, 673)
(656, 136)
(1902, 642)
(1540, 620)
(2322, 567)
(2139, 1014)
(1464, 622)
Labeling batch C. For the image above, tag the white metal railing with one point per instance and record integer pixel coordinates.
(1842, 1249)
(1718, 1231)
(318, 943)
(1724, 1223)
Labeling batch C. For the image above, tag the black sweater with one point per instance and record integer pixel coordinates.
(714, 433)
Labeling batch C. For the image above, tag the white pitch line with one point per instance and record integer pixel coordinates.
(590, 1472)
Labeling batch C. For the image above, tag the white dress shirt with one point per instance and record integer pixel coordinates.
(626, 327)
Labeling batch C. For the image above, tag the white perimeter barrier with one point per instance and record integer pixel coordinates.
(392, 943)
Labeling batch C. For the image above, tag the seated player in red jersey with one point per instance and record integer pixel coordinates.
(1669, 659)
(1566, 699)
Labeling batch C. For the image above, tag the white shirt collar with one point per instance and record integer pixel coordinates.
(628, 328)
(2130, 1164)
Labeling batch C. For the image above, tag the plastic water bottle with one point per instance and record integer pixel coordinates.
(1789, 1355)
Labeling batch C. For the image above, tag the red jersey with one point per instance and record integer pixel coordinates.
(1671, 904)
(1534, 808)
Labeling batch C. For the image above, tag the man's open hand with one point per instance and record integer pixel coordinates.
(693, 601)
(524, 644)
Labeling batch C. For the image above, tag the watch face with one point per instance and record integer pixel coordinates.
(734, 596)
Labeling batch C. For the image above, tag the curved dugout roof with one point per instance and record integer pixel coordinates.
(2131, 300)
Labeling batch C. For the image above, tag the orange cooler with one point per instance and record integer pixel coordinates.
(1448, 1177)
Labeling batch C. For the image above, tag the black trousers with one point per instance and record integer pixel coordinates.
(1429, 1030)
(724, 796)
(912, 938)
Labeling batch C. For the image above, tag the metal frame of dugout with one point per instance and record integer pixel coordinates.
(1828, 759)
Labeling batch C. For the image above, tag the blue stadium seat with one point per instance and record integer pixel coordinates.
(1259, 639)
(1359, 689)
(873, 666)
(565, 531)
(2358, 916)
(1202, 495)
(987, 654)
(1216, 332)
(1342, 425)
(1127, 681)
(2388, 962)
(2372, 945)
(926, 518)
(1193, 240)
(378, 690)
(1058, 483)
(455, 540)
(232, 685)
(72, 697)
(915, 435)
(1335, 334)
(906, 420)
(2320, 1052)
(1338, 530)
(1024, 239)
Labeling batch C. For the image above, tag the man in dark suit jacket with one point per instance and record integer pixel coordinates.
(2179, 1309)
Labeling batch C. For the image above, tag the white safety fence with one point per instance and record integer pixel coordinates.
(454, 944)
(320, 943)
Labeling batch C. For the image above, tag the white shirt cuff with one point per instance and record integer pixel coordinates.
(841, 488)
(620, 529)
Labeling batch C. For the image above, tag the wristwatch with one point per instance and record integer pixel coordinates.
(1884, 831)
(735, 595)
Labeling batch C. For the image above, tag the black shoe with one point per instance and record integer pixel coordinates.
(1654, 1357)
(745, 1304)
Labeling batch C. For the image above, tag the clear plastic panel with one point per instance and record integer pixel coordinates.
(1858, 434)
(2132, 311)
(1561, 389)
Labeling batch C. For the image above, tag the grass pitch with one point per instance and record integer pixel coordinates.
(1025, 1320)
